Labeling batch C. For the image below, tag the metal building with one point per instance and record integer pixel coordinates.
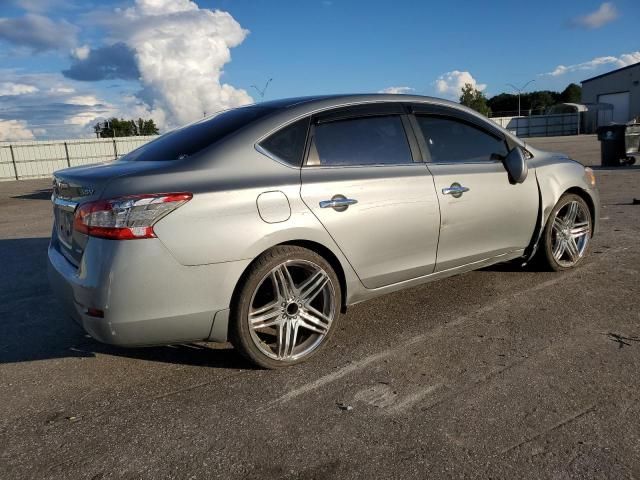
(620, 88)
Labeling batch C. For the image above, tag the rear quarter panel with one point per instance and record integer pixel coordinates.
(222, 222)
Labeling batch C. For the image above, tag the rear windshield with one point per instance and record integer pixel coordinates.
(189, 140)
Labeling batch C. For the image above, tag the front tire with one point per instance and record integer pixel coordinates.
(286, 307)
(567, 234)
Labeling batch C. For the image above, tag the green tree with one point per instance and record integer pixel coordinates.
(571, 94)
(531, 103)
(503, 104)
(115, 127)
(475, 99)
(540, 100)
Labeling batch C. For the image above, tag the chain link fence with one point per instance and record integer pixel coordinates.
(39, 159)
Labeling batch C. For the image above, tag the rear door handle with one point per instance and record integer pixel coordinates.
(455, 190)
(338, 202)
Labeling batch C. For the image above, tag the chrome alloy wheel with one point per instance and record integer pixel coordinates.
(291, 310)
(571, 232)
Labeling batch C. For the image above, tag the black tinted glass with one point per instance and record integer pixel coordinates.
(452, 141)
(288, 144)
(362, 141)
(187, 141)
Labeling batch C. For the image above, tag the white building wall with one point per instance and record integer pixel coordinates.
(619, 81)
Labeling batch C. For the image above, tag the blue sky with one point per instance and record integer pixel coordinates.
(172, 59)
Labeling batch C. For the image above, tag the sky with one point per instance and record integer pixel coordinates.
(67, 64)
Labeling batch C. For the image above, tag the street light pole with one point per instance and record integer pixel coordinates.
(519, 90)
(263, 90)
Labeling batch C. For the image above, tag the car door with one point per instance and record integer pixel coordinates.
(364, 181)
(483, 214)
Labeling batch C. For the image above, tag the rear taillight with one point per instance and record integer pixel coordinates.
(126, 218)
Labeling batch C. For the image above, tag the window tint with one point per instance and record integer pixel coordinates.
(287, 144)
(361, 141)
(187, 141)
(452, 141)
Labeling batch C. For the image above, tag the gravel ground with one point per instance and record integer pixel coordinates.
(499, 373)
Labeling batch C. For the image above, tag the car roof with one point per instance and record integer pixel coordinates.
(338, 99)
(295, 107)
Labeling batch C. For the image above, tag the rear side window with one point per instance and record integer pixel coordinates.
(189, 140)
(453, 141)
(288, 143)
(361, 141)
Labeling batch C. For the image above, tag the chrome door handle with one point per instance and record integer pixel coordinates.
(456, 190)
(338, 202)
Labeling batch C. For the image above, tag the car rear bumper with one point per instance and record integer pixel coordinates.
(147, 297)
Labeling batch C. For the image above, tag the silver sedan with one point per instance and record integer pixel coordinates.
(262, 224)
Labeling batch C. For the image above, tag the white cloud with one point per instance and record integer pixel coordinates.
(605, 14)
(618, 62)
(61, 90)
(37, 32)
(450, 84)
(81, 53)
(58, 108)
(180, 51)
(173, 49)
(93, 109)
(14, 130)
(85, 118)
(11, 88)
(628, 59)
(160, 7)
(397, 90)
(41, 5)
(88, 100)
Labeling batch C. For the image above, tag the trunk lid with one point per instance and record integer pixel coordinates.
(77, 185)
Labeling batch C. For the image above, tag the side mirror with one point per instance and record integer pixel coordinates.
(516, 165)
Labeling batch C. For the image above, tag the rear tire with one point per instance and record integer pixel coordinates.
(567, 234)
(286, 307)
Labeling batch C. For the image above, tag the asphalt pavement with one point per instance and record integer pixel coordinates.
(499, 373)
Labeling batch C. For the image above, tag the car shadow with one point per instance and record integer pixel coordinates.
(44, 194)
(33, 326)
(513, 266)
(617, 168)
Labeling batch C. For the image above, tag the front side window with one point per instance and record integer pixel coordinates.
(361, 141)
(454, 141)
(287, 144)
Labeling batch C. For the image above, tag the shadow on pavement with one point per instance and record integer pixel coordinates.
(515, 266)
(44, 194)
(615, 169)
(34, 327)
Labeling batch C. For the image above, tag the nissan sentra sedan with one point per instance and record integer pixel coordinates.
(262, 224)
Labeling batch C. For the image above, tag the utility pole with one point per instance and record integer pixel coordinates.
(262, 91)
(519, 90)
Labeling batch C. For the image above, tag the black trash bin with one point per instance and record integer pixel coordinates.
(612, 145)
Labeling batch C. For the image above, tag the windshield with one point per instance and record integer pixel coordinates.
(186, 141)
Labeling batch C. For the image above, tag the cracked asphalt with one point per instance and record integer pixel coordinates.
(499, 373)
